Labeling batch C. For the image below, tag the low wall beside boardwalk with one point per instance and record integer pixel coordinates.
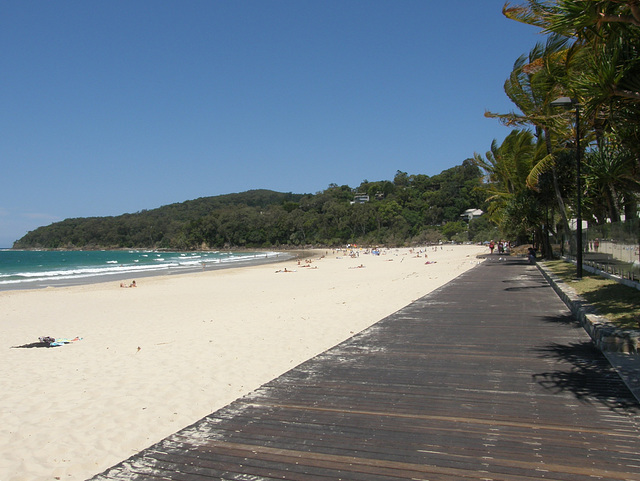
(623, 252)
(605, 336)
(632, 282)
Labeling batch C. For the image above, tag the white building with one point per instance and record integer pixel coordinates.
(360, 199)
(471, 214)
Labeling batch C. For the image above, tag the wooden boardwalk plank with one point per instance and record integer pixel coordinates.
(486, 378)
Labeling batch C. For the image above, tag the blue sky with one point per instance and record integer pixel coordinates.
(116, 106)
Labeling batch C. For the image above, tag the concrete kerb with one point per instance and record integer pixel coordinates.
(620, 346)
(606, 337)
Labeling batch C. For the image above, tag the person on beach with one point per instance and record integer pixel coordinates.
(491, 246)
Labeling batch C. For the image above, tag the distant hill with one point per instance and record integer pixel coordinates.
(148, 228)
(390, 212)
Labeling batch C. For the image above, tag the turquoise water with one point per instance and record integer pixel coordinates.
(27, 269)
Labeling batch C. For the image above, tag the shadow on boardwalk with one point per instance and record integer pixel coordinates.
(487, 377)
(590, 378)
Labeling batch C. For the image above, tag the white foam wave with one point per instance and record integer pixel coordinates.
(83, 273)
(113, 267)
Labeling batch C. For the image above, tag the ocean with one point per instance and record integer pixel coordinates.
(33, 269)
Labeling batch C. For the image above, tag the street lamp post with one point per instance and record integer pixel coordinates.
(569, 102)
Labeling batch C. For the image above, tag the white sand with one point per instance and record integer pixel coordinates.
(156, 358)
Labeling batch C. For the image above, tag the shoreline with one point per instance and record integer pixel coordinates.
(282, 256)
(159, 357)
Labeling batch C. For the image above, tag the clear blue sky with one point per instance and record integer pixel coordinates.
(113, 106)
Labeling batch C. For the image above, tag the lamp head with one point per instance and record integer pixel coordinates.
(564, 102)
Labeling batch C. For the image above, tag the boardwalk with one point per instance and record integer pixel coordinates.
(486, 378)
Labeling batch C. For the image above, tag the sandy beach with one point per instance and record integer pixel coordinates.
(158, 357)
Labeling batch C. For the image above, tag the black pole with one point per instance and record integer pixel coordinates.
(578, 199)
(569, 102)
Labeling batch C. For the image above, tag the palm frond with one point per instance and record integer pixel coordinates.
(528, 14)
(538, 169)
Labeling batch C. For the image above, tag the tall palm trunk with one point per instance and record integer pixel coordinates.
(561, 207)
(614, 211)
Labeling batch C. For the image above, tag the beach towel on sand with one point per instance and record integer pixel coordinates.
(57, 341)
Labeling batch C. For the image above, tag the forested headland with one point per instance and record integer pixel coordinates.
(408, 209)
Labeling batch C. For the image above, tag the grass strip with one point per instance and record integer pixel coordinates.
(620, 304)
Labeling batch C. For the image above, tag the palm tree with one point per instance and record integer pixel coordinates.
(536, 80)
(608, 34)
(605, 35)
(610, 29)
(513, 205)
(610, 183)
